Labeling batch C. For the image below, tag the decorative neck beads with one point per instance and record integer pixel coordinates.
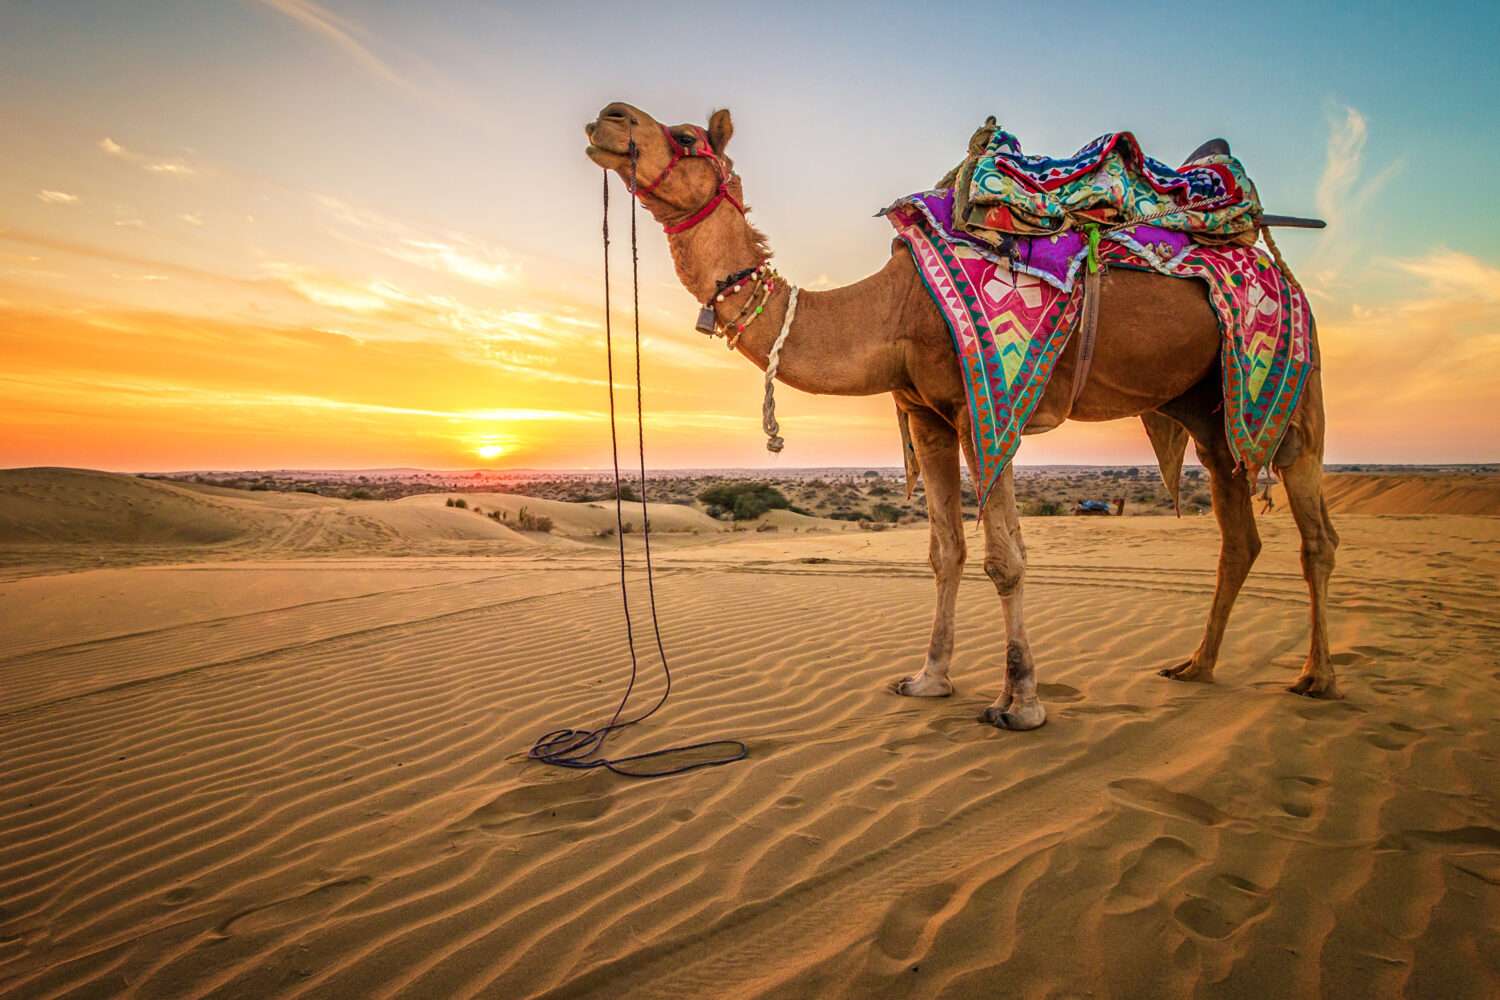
(762, 282)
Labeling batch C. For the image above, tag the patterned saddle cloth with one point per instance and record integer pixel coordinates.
(1000, 192)
(1011, 315)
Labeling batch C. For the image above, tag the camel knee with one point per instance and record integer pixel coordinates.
(1005, 573)
(1318, 554)
(947, 556)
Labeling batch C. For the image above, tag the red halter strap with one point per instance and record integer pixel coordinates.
(701, 149)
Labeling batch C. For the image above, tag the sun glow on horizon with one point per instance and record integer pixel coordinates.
(488, 451)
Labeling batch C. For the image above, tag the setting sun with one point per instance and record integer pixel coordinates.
(490, 450)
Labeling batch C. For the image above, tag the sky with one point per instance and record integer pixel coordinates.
(242, 234)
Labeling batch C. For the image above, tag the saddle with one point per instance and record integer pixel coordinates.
(1001, 192)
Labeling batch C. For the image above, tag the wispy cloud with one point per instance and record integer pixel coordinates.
(49, 197)
(1344, 194)
(454, 254)
(340, 31)
(191, 218)
(155, 165)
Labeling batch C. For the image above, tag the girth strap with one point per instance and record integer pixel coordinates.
(1088, 328)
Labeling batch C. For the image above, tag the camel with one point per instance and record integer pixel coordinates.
(1156, 356)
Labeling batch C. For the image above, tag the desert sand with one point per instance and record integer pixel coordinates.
(272, 745)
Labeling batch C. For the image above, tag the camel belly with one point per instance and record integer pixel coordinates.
(1157, 338)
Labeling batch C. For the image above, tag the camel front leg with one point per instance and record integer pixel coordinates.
(1018, 706)
(936, 444)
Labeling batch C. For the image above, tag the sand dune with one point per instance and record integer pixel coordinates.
(304, 778)
(1358, 493)
(579, 520)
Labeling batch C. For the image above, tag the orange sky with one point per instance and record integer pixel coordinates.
(340, 257)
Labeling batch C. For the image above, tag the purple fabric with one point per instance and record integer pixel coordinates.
(1054, 259)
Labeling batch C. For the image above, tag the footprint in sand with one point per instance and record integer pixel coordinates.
(291, 909)
(1229, 902)
(1297, 794)
(1060, 693)
(1396, 737)
(1150, 796)
(905, 921)
(1157, 865)
(542, 808)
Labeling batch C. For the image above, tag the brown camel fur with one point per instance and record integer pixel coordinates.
(1157, 355)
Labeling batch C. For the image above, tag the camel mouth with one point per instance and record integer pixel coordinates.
(605, 156)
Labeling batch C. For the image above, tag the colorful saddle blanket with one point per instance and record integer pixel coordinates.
(1001, 191)
(1010, 316)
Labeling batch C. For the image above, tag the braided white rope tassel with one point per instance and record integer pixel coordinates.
(774, 441)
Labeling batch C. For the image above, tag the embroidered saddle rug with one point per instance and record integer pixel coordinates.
(999, 190)
(1010, 316)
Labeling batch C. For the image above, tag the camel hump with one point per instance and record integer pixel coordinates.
(1213, 147)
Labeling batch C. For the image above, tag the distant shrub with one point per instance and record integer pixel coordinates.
(461, 503)
(886, 512)
(746, 500)
(873, 525)
(527, 521)
(1042, 508)
(359, 494)
(1201, 500)
(846, 515)
(605, 532)
(627, 528)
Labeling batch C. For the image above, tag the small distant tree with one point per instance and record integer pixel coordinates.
(746, 500)
(461, 503)
(886, 512)
(527, 521)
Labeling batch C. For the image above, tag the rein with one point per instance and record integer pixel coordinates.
(581, 749)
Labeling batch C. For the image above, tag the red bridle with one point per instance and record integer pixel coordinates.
(701, 149)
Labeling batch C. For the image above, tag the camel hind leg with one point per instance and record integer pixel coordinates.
(1239, 540)
(1300, 462)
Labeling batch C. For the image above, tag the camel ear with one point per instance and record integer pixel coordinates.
(720, 128)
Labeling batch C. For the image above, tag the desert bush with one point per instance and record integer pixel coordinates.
(886, 512)
(605, 532)
(527, 521)
(746, 500)
(460, 503)
(1042, 508)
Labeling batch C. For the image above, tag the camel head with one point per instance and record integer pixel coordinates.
(679, 169)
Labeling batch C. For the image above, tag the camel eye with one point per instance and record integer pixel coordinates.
(687, 139)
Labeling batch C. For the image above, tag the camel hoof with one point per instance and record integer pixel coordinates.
(1311, 686)
(923, 685)
(1187, 672)
(1019, 719)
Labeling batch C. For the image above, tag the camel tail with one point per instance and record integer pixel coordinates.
(1169, 440)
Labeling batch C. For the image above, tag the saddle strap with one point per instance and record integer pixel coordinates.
(1088, 327)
